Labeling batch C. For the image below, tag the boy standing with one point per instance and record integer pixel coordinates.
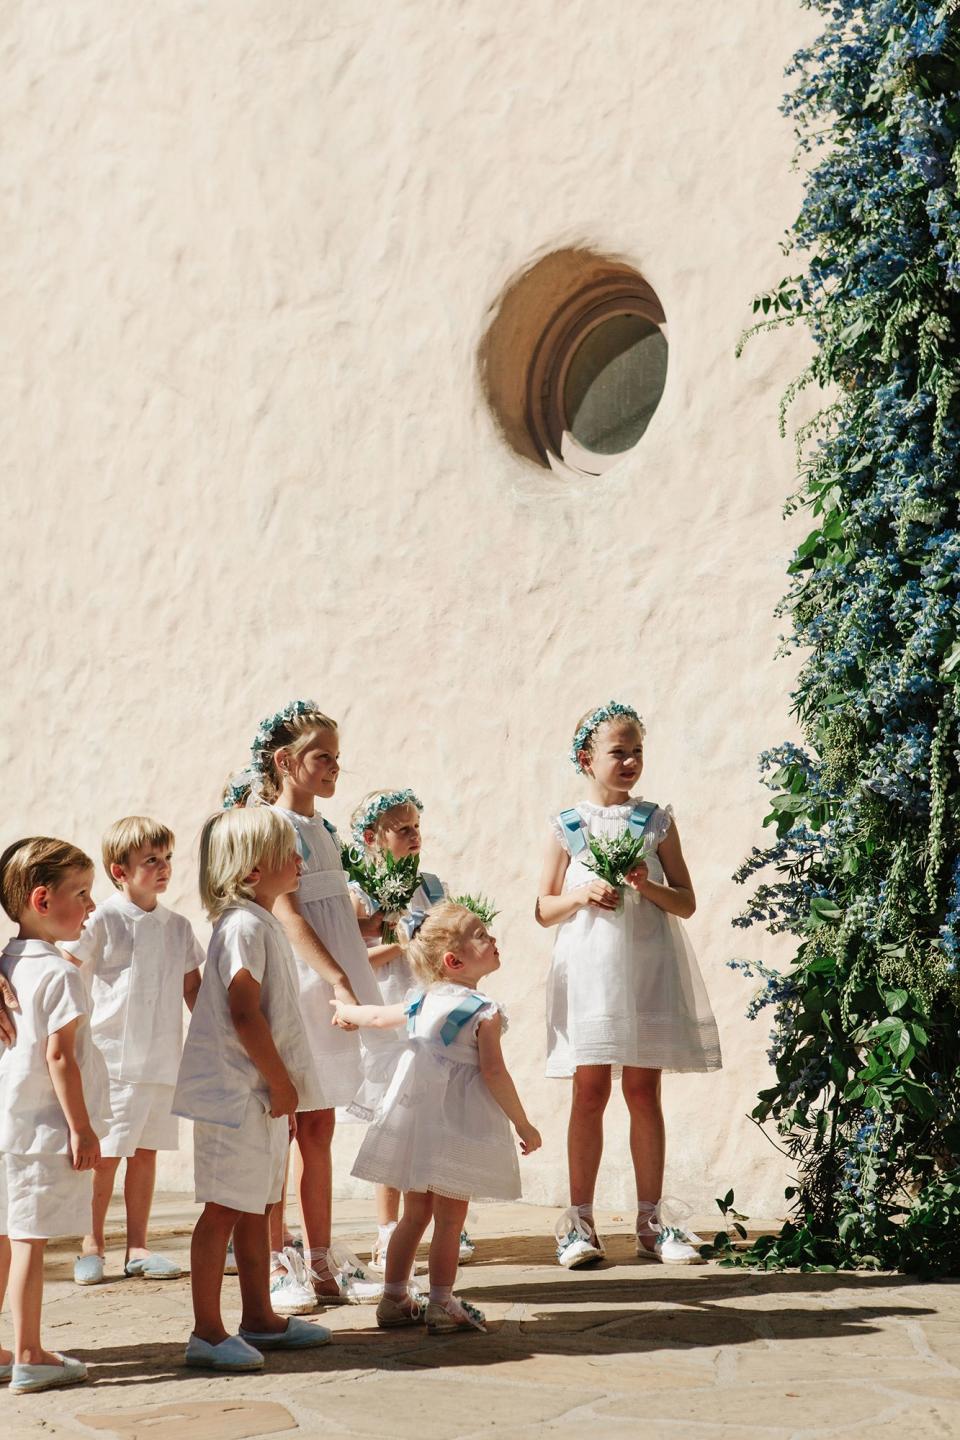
(141, 962)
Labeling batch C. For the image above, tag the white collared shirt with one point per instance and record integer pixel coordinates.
(217, 1076)
(134, 962)
(51, 993)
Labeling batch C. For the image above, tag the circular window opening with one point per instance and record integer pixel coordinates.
(574, 361)
(613, 383)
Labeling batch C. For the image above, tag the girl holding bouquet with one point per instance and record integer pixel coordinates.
(295, 763)
(392, 897)
(624, 989)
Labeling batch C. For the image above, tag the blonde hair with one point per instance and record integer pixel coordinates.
(38, 860)
(260, 782)
(441, 931)
(234, 842)
(132, 833)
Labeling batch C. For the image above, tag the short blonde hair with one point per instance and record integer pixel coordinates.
(132, 833)
(38, 860)
(441, 931)
(233, 843)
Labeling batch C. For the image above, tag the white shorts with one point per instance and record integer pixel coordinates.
(241, 1169)
(142, 1119)
(45, 1197)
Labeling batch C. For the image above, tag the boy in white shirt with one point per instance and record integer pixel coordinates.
(247, 1067)
(141, 962)
(54, 1093)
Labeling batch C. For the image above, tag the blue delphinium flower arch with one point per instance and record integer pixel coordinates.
(866, 862)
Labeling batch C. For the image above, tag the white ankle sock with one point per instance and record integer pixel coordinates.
(441, 1294)
(395, 1292)
(385, 1231)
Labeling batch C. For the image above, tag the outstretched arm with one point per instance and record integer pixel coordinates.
(375, 1017)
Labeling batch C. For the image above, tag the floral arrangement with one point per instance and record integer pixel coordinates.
(480, 905)
(387, 882)
(865, 1039)
(610, 711)
(614, 859)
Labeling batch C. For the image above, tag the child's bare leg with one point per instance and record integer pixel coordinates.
(417, 1209)
(208, 1251)
(138, 1184)
(591, 1091)
(641, 1091)
(26, 1302)
(251, 1246)
(5, 1355)
(104, 1177)
(449, 1218)
(388, 1205)
(280, 1235)
(315, 1187)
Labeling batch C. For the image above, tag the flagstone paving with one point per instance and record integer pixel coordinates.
(632, 1351)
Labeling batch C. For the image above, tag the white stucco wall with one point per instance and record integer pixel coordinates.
(251, 249)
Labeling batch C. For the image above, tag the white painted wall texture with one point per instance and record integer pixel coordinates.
(251, 249)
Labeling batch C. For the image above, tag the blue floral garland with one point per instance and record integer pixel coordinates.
(594, 720)
(379, 805)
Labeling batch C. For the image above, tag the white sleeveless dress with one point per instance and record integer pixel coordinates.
(624, 985)
(353, 1067)
(438, 1127)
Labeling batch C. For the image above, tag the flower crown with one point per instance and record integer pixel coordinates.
(379, 805)
(594, 720)
(239, 787)
(260, 750)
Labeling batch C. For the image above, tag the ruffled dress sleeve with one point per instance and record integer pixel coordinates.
(491, 1008)
(661, 821)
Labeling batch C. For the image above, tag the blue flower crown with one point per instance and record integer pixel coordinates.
(239, 787)
(260, 750)
(610, 711)
(379, 805)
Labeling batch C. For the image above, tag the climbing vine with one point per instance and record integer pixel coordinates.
(864, 869)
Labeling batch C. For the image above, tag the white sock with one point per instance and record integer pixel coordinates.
(394, 1292)
(385, 1231)
(441, 1294)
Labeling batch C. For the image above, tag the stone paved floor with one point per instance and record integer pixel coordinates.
(629, 1352)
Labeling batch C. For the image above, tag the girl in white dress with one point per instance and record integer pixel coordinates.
(624, 989)
(442, 1131)
(295, 763)
(388, 822)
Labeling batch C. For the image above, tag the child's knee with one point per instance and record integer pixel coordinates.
(315, 1128)
(590, 1093)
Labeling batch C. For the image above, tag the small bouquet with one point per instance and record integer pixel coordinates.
(480, 905)
(613, 860)
(388, 884)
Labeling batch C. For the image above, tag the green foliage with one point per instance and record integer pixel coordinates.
(388, 881)
(480, 905)
(614, 859)
(865, 816)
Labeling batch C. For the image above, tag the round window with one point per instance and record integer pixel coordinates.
(574, 361)
(613, 383)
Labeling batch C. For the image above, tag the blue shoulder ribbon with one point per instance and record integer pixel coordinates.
(574, 829)
(432, 887)
(461, 1016)
(640, 817)
(412, 1011)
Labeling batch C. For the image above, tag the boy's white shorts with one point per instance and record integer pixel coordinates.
(142, 1120)
(241, 1169)
(45, 1197)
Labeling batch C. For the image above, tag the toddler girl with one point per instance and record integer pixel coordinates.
(246, 1067)
(295, 763)
(388, 822)
(624, 989)
(442, 1132)
(54, 1093)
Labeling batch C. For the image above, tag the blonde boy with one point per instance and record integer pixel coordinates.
(54, 1092)
(141, 961)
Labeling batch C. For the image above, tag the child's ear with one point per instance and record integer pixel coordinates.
(39, 900)
(451, 961)
(253, 878)
(117, 873)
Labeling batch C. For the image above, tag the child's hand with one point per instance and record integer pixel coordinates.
(638, 875)
(85, 1148)
(343, 995)
(283, 1098)
(600, 894)
(338, 1018)
(529, 1137)
(371, 925)
(9, 1005)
